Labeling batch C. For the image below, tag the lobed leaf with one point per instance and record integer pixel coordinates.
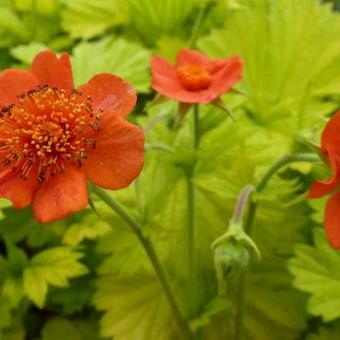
(316, 271)
(54, 266)
(86, 18)
(116, 55)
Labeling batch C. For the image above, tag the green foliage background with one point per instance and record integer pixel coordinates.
(87, 278)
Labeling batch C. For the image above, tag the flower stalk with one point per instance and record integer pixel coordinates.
(149, 249)
(248, 224)
(203, 13)
(231, 250)
(192, 252)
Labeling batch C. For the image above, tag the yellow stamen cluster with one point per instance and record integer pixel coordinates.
(45, 129)
(194, 77)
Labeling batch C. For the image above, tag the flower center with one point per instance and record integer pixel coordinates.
(46, 129)
(194, 77)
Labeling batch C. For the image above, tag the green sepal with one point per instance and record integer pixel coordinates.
(231, 255)
(236, 233)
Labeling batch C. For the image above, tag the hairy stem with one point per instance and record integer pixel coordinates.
(152, 255)
(242, 202)
(248, 224)
(192, 261)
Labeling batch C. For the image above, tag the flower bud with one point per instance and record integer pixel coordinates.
(232, 255)
(231, 259)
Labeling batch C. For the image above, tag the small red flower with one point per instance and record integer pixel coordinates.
(330, 147)
(195, 78)
(54, 138)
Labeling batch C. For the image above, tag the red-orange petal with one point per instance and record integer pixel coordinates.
(332, 220)
(53, 71)
(322, 188)
(162, 69)
(164, 77)
(17, 190)
(118, 156)
(13, 83)
(188, 57)
(165, 81)
(61, 196)
(330, 139)
(228, 73)
(110, 94)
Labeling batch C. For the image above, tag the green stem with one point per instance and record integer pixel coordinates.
(196, 140)
(241, 203)
(192, 265)
(205, 9)
(283, 161)
(152, 255)
(248, 224)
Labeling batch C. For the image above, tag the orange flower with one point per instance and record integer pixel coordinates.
(195, 78)
(330, 147)
(54, 138)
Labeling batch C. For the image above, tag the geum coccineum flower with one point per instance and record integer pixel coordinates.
(195, 78)
(54, 138)
(330, 148)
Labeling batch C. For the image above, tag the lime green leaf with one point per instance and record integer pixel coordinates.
(40, 6)
(269, 36)
(167, 47)
(316, 271)
(11, 22)
(26, 53)
(11, 28)
(54, 266)
(118, 56)
(25, 21)
(153, 18)
(87, 18)
(42, 28)
(133, 301)
(88, 228)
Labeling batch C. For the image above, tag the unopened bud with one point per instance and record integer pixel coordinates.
(231, 259)
(232, 255)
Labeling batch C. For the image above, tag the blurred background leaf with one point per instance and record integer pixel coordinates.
(116, 55)
(87, 19)
(288, 47)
